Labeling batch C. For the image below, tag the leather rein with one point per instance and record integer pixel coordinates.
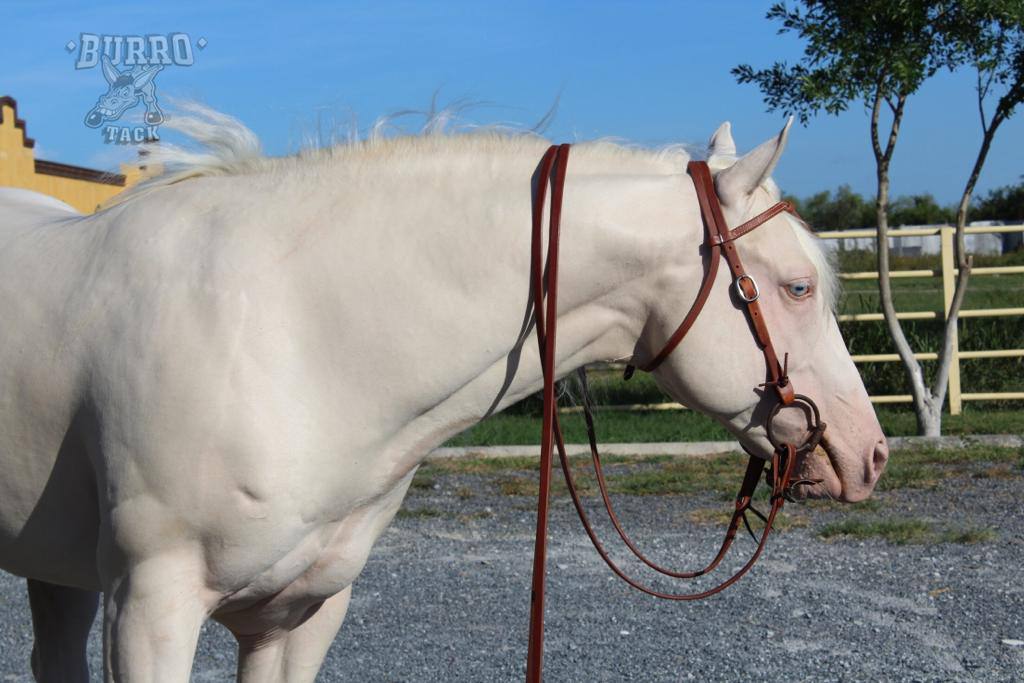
(719, 240)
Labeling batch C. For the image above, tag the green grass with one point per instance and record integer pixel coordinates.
(898, 531)
(924, 468)
(650, 475)
(925, 294)
(512, 428)
(906, 457)
(912, 468)
(720, 475)
(970, 535)
(903, 531)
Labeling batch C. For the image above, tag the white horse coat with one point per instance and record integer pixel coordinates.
(214, 395)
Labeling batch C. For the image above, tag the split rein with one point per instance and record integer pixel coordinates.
(719, 241)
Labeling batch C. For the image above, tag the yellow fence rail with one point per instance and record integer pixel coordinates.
(948, 272)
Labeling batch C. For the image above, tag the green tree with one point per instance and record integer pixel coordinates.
(1001, 204)
(919, 209)
(878, 53)
(843, 210)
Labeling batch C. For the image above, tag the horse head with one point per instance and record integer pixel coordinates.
(720, 368)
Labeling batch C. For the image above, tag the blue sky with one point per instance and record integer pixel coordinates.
(647, 72)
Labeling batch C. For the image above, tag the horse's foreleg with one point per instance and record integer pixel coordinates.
(293, 655)
(61, 619)
(151, 621)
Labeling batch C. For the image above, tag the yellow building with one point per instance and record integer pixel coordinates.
(83, 188)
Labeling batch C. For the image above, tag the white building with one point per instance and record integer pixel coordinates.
(987, 244)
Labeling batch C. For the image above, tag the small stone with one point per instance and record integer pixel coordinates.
(626, 633)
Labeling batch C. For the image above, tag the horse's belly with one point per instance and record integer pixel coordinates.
(53, 554)
(49, 514)
(56, 540)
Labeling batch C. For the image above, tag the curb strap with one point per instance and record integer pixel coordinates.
(544, 283)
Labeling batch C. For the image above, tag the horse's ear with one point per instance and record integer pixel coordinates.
(721, 142)
(739, 181)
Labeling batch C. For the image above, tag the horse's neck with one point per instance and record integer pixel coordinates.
(444, 306)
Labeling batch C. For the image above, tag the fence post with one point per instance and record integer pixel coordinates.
(948, 287)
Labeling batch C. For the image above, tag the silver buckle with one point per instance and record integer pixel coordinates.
(741, 293)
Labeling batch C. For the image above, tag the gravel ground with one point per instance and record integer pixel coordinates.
(444, 596)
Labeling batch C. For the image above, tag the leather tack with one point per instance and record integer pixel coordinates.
(544, 278)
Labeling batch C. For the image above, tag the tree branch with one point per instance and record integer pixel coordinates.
(988, 134)
(914, 374)
(876, 106)
(982, 94)
(894, 131)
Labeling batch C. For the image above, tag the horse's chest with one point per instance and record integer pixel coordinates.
(325, 560)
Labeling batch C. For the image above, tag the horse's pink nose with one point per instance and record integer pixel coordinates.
(878, 459)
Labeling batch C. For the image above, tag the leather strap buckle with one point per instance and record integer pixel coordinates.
(738, 283)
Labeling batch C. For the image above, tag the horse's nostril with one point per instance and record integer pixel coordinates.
(879, 458)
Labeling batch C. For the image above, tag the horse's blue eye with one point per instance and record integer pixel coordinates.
(799, 289)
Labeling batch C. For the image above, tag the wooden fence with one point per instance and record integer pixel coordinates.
(947, 271)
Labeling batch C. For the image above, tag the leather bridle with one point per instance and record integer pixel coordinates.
(719, 241)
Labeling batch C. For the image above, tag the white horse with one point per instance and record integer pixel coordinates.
(215, 393)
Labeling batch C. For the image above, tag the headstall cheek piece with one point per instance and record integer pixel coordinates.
(719, 241)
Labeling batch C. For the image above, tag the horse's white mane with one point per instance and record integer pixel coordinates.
(224, 146)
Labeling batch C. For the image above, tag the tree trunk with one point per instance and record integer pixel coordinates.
(929, 419)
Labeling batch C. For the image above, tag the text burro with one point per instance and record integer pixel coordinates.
(130, 65)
